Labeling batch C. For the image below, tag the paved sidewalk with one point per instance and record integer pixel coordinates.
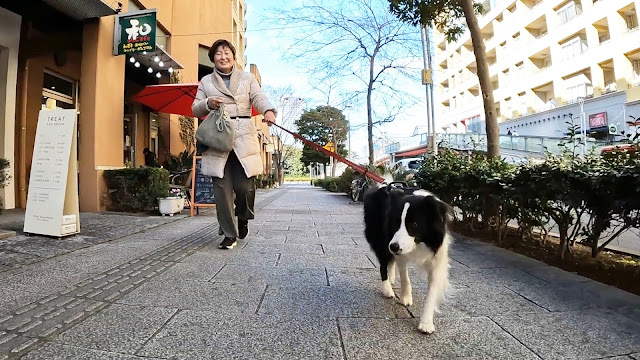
(19, 250)
(304, 285)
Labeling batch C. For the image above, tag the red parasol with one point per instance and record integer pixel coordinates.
(171, 98)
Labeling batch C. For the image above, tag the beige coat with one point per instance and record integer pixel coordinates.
(243, 91)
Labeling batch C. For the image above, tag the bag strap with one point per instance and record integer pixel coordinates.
(222, 112)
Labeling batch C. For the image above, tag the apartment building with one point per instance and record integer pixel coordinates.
(550, 61)
(60, 54)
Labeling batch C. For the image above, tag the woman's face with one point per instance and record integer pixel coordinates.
(223, 59)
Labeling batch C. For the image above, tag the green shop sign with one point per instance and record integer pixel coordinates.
(135, 32)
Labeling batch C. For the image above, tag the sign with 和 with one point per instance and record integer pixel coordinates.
(52, 200)
(135, 32)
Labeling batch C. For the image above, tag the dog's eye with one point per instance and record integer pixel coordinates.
(414, 224)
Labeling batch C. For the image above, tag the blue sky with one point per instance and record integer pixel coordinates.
(265, 47)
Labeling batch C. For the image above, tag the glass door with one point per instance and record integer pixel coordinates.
(129, 143)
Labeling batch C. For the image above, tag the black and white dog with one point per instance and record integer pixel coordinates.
(402, 226)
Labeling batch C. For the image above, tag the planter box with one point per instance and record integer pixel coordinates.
(170, 206)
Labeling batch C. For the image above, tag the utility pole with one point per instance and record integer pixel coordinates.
(430, 85)
(425, 81)
(428, 82)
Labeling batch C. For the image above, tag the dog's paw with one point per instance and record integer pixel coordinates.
(387, 290)
(426, 328)
(406, 300)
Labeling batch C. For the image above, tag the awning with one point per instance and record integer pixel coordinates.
(410, 153)
(82, 9)
(158, 61)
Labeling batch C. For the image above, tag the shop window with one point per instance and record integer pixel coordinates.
(57, 92)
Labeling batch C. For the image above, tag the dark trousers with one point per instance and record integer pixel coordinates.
(234, 181)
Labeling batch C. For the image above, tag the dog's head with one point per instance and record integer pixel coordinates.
(414, 219)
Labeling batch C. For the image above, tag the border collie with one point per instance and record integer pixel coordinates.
(407, 225)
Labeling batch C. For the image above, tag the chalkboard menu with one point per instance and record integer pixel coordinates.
(203, 192)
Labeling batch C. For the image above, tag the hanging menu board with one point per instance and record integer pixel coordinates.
(52, 201)
(201, 187)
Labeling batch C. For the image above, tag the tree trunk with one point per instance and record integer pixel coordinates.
(491, 119)
(564, 241)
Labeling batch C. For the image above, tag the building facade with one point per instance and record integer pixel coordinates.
(60, 54)
(550, 62)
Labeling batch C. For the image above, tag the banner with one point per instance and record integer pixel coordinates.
(598, 120)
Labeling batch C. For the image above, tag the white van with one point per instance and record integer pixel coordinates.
(408, 164)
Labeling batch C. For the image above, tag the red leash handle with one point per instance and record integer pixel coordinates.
(373, 176)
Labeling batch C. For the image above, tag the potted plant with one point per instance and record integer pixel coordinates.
(172, 203)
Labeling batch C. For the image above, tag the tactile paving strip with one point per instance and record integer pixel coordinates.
(43, 320)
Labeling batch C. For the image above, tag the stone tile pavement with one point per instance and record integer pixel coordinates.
(304, 285)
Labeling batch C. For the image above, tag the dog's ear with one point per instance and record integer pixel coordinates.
(441, 212)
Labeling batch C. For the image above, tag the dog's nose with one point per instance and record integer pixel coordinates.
(394, 247)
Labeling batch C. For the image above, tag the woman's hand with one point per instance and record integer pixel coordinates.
(214, 102)
(269, 117)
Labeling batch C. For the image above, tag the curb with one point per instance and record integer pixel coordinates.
(5, 234)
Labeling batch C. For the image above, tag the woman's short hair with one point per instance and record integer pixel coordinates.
(217, 44)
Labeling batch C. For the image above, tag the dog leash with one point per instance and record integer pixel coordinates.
(361, 169)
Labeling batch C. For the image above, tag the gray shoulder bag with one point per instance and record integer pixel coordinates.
(217, 131)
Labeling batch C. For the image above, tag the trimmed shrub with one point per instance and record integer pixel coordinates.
(135, 190)
(592, 199)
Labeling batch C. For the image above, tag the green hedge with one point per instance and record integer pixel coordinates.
(135, 190)
(340, 183)
(591, 199)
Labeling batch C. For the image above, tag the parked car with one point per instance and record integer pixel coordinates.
(408, 164)
(628, 148)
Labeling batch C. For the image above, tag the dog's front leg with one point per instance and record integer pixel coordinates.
(405, 298)
(438, 285)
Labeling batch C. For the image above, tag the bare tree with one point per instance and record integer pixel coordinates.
(446, 16)
(289, 109)
(356, 40)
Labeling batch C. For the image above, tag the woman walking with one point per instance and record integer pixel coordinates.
(233, 172)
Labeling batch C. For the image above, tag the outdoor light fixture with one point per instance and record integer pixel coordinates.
(170, 69)
(132, 60)
(137, 64)
(161, 64)
(158, 75)
(149, 70)
(144, 53)
(156, 59)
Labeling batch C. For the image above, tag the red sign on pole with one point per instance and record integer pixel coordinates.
(598, 120)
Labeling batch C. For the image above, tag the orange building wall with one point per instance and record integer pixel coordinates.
(102, 111)
(34, 78)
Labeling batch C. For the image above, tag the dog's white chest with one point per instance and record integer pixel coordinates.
(419, 255)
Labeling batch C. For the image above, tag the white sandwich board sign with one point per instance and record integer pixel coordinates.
(52, 200)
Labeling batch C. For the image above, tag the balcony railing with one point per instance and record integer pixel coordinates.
(531, 144)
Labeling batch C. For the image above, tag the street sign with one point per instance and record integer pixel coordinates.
(613, 129)
(135, 32)
(330, 146)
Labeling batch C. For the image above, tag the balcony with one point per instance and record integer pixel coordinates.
(568, 12)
